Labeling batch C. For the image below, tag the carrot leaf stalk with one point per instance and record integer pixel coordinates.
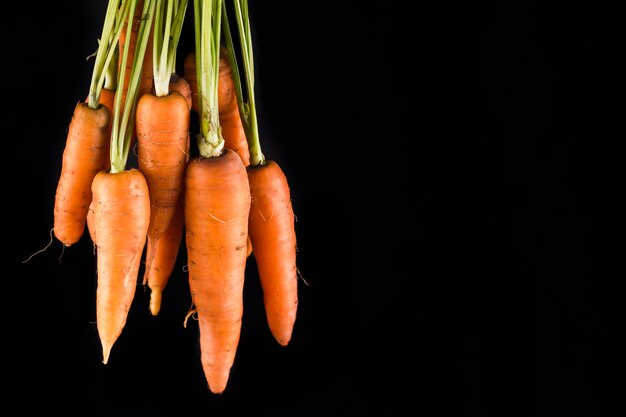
(247, 105)
(207, 21)
(169, 18)
(123, 124)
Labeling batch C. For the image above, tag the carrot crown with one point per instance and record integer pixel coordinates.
(247, 105)
(207, 21)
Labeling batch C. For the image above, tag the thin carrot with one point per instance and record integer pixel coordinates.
(121, 204)
(163, 132)
(272, 221)
(121, 215)
(217, 206)
(87, 143)
(271, 228)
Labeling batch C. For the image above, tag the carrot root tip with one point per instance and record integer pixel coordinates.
(155, 301)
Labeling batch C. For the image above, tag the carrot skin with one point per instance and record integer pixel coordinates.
(121, 206)
(86, 153)
(271, 228)
(217, 206)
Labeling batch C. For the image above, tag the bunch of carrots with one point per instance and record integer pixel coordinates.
(221, 198)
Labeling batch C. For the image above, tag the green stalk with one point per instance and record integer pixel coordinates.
(104, 46)
(208, 17)
(247, 108)
(167, 28)
(123, 124)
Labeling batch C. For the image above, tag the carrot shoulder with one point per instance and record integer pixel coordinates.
(86, 152)
(217, 206)
(271, 228)
(121, 215)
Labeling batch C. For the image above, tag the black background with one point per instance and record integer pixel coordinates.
(437, 165)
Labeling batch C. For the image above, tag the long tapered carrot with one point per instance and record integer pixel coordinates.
(121, 204)
(217, 205)
(272, 221)
(121, 214)
(271, 228)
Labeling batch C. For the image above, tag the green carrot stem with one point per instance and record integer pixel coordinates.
(104, 45)
(247, 108)
(123, 124)
(208, 16)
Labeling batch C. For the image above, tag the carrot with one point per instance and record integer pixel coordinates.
(162, 128)
(162, 136)
(84, 155)
(121, 204)
(272, 221)
(217, 205)
(86, 149)
(271, 228)
(122, 216)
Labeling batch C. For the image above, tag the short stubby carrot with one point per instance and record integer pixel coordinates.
(162, 124)
(86, 153)
(164, 254)
(217, 206)
(273, 237)
(121, 207)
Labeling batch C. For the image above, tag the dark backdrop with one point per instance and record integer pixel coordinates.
(438, 177)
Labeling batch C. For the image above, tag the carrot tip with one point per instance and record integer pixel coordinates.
(106, 351)
(155, 301)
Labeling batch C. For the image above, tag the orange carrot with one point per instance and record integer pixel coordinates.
(163, 139)
(217, 206)
(121, 214)
(164, 253)
(86, 153)
(271, 228)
